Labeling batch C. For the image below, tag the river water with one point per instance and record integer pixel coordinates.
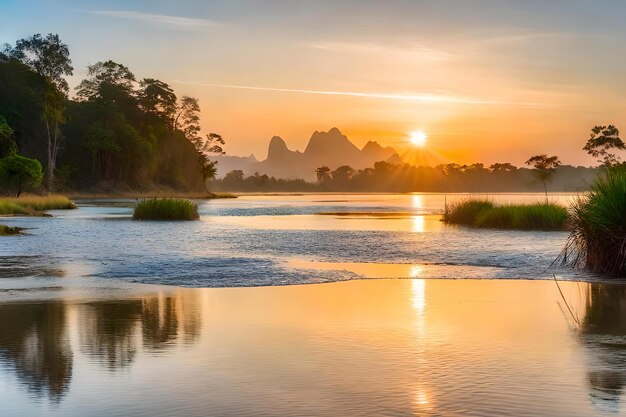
(96, 319)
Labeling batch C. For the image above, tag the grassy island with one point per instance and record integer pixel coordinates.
(34, 205)
(166, 209)
(485, 214)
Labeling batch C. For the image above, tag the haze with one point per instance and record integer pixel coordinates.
(485, 80)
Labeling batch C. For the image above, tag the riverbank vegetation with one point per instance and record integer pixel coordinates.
(598, 239)
(34, 205)
(9, 231)
(166, 209)
(388, 177)
(485, 214)
(115, 132)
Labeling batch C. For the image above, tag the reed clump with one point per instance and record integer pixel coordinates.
(166, 209)
(33, 205)
(598, 238)
(9, 231)
(485, 214)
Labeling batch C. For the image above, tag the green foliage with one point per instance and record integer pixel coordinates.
(484, 214)
(602, 140)
(466, 212)
(9, 207)
(34, 205)
(7, 144)
(166, 209)
(18, 173)
(9, 231)
(117, 134)
(598, 239)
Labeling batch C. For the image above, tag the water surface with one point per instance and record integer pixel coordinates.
(359, 348)
(286, 239)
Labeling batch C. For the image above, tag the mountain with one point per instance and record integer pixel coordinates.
(331, 148)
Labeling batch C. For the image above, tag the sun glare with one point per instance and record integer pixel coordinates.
(418, 138)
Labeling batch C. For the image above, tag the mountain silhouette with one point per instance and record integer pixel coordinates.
(332, 149)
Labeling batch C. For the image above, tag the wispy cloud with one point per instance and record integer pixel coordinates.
(161, 19)
(426, 98)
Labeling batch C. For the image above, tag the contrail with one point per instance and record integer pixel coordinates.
(427, 98)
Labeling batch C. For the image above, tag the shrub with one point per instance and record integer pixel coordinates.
(166, 209)
(484, 214)
(598, 238)
(18, 173)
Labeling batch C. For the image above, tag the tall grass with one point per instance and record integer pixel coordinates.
(41, 203)
(485, 214)
(598, 238)
(166, 209)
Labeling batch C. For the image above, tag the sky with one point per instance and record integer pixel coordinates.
(486, 80)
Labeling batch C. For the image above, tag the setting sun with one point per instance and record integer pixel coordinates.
(418, 138)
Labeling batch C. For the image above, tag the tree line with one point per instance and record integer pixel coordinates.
(603, 143)
(115, 132)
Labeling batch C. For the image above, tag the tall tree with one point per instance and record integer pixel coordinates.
(50, 58)
(601, 142)
(106, 80)
(157, 98)
(544, 168)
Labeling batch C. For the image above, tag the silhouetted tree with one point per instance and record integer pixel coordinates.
(601, 141)
(544, 168)
(323, 174)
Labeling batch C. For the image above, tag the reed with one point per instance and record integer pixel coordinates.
(485, 214)
(166, 209)
(41, 203)
(598, 238)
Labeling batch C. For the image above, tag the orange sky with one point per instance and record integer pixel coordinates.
(488, 81)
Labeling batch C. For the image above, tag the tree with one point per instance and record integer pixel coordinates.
(7, 144)
(106, 80)
(18, 173)
(342, 176)
(212, 145)
(50, 58)
(601, 141)
(544, 168)
(323, 174)
(503, 167)
(157, 98)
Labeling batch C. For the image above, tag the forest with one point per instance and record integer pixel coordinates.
(114, 133)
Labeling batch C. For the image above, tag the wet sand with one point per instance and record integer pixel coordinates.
(89, 346)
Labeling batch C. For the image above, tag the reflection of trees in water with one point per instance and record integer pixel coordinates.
(34, 342)
(603, 332)
(164, 319)
(34, 338)
(108, 331)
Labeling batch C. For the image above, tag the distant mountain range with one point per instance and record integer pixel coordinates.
(332, 149)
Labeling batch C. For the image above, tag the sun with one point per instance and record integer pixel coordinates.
(418, 138)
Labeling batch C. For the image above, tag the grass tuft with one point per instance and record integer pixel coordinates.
(598, 238)
(166, 209)
(9, 231)
(485, 214)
